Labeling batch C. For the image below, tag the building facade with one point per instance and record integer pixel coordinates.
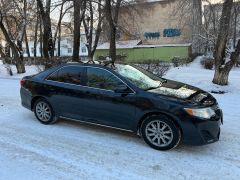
(163, 30)
(66, 47)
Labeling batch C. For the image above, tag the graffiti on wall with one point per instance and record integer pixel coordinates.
(171, 32)
(152, 35)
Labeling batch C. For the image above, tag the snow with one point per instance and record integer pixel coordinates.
(148, 1)
(30, 70)
(72, 150)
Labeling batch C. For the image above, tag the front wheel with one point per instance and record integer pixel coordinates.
(160, 132)
(44, 112)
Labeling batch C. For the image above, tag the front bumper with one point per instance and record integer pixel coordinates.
(200, 132)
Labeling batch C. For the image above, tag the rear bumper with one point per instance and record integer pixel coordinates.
(200, 132)
(26, 98)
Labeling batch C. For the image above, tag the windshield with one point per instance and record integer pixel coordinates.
(139, 77)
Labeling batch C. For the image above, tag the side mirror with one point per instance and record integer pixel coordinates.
(121, 89)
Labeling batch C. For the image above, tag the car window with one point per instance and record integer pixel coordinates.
(102, 79)
(70, 74)
(139, 77)
(53, 76)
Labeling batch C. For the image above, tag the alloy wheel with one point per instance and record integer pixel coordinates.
(43, 111)
(159, 133)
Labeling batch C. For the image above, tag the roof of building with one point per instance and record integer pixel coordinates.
(138, 44)
(146, 1)
(121, 44)
(163, 45)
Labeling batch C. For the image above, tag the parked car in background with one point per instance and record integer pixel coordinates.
(126, 97)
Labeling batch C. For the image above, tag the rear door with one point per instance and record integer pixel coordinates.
(66, 91)
(102, 105)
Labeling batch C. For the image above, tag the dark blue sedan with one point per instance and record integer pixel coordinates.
(126, 97)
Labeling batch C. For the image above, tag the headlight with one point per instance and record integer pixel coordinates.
(206, 113)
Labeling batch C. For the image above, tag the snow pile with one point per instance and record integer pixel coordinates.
(195, 75)
(30, 70)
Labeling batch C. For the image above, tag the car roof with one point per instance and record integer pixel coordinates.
(103, 66)
(47, 72)
(83, 64)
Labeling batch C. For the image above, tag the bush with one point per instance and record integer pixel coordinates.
(176, 62)
(9, 69)
(160, 68)
(207, 63)
(194, 56)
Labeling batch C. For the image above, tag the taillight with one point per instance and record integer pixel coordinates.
(22, 82)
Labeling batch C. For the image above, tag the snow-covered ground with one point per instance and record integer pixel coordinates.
(71, 150)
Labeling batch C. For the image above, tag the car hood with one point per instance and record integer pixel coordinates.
(184, 92)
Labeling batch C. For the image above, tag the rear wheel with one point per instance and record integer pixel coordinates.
(44, 112)
(160, 132)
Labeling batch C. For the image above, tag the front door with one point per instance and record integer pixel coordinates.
(103, 105)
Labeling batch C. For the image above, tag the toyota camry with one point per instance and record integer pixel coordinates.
(125, 97)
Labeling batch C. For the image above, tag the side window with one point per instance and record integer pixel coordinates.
(70, 74)
(102, 79)
(53, 77)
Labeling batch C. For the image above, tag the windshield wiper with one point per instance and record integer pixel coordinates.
(164, 80)
(151, 88)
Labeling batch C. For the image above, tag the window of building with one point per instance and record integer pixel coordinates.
(69, 41)
(82, 38)
(69, 50)
(84, 49)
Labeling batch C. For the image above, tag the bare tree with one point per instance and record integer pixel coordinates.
(196, 25)
(13, 22)
(2, 53)
(93, 33)
(79, 13)
(48, 49)
(111, 13)
(224, 64)
(62, 13)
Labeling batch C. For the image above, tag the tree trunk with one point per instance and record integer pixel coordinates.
(196, 25)
(27, 46)
(20, 65)
(76, 31)
(221, 76)
(222, 68)
(41, 38)
(59, 41)
(3, 55)
(48, 49)
(35, 39)
(90, 57)
(112, 18)
(19, 60)
(112, 52)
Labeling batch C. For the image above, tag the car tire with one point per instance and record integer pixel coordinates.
(160, 132)
(44, 111)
